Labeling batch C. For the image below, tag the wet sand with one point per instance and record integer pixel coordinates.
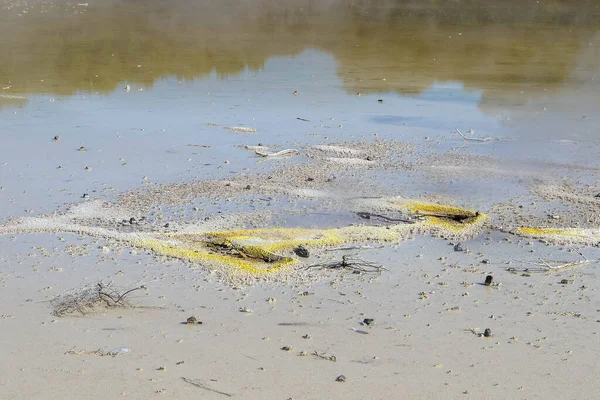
(140, 148)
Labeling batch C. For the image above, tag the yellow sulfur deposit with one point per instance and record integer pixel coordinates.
(249, 265)
(544, 232)
(446, 217)
(260, 251)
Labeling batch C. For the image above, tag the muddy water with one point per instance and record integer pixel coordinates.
(527, 71)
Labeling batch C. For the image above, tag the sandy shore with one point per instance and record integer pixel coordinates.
(295, 336)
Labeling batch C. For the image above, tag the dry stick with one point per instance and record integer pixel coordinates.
(287, 152)
(302, 119)
(324, 356)
(485, 139)
(355, 248)
(368, 215)
(202, 386)
(545, 266)
(352, 264)
(200, 145)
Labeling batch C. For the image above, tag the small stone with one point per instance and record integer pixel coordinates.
(161, 368)
(193, 320)
(340, 378)
(369, 158)
(458, 247)
(302, 251)
(307, 336)
(380, 101)
(56, 138)
(88, 169)
(132, 220)
(310, 179)
(565, 282)
(487, 333)
(488, 280)
(82, 148)
(85, 196)
(287, 348)
(248, 187)
(369, 321)
(485, 261)
(295, 93)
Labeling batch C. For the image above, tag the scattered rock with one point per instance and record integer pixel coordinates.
(487, 332)
(369, 321)
(380, 101)
(458, 247)
(246, 310)
(565, 281)
(488, 280)
(56, 138)
(287, 348)
(340, 378)
(193, 320)
(302, 251)
(485, 261)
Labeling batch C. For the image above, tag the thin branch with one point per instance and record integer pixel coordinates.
(485, 139)
(368, 215)
(203, 386)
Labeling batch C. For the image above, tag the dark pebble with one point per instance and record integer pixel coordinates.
(488, 280)
(302, 251)
(487, 332)
(369, 321)
(458, 247)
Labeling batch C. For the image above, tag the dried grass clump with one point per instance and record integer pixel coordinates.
(92, 298)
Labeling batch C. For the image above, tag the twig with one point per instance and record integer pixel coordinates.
(367, 215)
(546, 266)
(286, 152)
(346, 248)
(203, 386)
(355, 265)
(324, 356)
(302, 119)
(200, 145)
(485, 139)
